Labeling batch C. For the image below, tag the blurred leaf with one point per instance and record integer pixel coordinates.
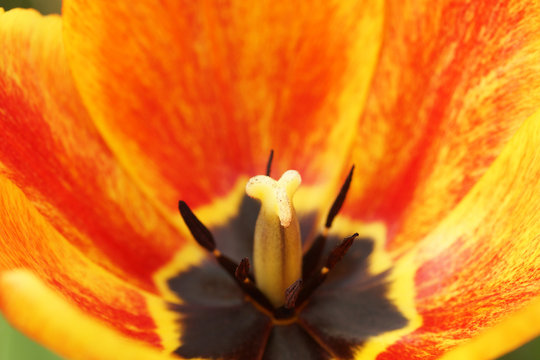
(15, 346)
(10, 4)
(529, 351)
(47, 6)
(44, 6)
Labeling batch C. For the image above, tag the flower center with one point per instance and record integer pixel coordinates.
(284, 278)
(293, 305)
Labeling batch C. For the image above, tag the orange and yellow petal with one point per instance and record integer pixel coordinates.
(63, 327)
(454, 82)
(192, 95)
(481, 265)
(28, 241)
(52, 151)
(523, 327)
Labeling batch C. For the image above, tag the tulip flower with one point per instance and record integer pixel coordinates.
(142, 218)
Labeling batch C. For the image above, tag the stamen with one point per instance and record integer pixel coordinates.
(292, 292)
(202, 235)
(269, 163)
(340, 199)
(335, 256)
(246, 284)
(287, 311)
(242, 271)
(313, 255)
(225, 262)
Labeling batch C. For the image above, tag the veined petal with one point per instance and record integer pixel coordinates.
(523, 327)
(455, 81)
(29, 241)
(482, 263)
(51, 150)
(192, 95)
(47, 317)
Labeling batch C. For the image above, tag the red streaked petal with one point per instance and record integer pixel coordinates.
(508, 335)
(455, 81)
(40, 312)
(482, 263)
(191, 95)
(28, 241)
(51, 150)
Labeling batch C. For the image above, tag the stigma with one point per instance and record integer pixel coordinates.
(277, 247)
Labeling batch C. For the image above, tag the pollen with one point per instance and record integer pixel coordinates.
(276, 195)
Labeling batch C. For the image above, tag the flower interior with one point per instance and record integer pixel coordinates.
(297, 304)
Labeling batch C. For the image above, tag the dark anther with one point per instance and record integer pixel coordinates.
(269, 163)
(312, 283)
(338, 203)
(242, 270)
(238, 272)
(292, 292)
(291, 296)
(337, 254)
(202, 235)
(313, 255)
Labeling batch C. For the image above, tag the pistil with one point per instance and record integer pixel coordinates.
(277, 249)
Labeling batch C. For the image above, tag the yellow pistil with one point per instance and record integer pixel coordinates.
(277, 249)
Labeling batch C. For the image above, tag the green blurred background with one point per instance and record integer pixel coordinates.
(15, 346)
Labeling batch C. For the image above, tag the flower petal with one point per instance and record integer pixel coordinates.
(482, 263)
(455, 81)
(508, 335)
(44, 315)
(29, 241)
(51, 150)
(192, 95)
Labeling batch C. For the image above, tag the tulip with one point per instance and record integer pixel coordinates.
(141, 218)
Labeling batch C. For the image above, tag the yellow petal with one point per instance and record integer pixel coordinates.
(482, 263)
(455, 81)
(42, 314)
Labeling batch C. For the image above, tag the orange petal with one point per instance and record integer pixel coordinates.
(28, 241)
(40, 312)
(191, 95)
(51, 150)
(523, 326)
(482, 263)
(455, 81)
